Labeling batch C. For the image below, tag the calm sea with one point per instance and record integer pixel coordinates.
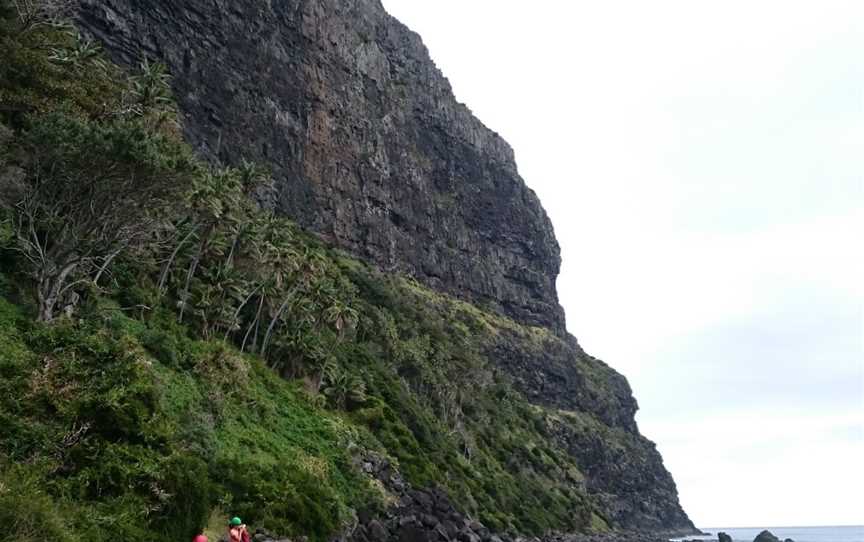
(798, 534)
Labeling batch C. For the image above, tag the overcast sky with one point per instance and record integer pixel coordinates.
(702, 163)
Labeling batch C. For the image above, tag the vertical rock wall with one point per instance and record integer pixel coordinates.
(368, 146)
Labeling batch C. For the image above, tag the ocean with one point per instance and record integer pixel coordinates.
(798, 534)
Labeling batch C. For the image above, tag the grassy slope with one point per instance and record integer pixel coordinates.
(118, 443)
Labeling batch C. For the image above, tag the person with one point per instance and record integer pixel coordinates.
(200, 538)
(237, 532)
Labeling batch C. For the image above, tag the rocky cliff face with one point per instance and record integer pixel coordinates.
(367, 144)
(369, 148)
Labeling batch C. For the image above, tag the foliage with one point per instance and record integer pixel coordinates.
(119, 443)
(89, 191)
(26, 510)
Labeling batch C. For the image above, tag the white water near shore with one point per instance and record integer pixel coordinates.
(854, 533)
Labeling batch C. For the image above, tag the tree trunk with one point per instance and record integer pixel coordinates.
(50, 289)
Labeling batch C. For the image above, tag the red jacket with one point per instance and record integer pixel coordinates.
(239, 534)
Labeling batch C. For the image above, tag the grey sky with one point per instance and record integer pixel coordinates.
(702, 163)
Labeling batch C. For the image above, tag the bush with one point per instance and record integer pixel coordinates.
(27, 513)
(185, 496)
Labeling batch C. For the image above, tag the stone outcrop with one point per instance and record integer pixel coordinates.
(369, 149)
(723, 537)
(367, 145)
(768, 536)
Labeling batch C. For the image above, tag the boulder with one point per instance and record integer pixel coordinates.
(467, 535)
(423, 499)
(766, 536)
(376, 532)
(723, 537)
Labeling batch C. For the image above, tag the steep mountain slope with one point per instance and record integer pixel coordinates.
(451, 408)
(370, 149)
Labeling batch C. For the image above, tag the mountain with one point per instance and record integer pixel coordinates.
(394, 270)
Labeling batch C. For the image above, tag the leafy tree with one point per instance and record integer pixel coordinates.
(88, 192)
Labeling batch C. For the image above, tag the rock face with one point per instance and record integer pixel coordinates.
(367, 144)
(369, 148)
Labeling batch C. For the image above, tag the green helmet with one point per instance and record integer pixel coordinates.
(235, 521)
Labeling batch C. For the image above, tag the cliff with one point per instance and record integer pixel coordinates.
(450, 407)
(367, 144)
(370, 150)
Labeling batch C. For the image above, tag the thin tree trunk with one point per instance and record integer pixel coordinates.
(192, 268)
(272, 325)
(254, 324)
(163, 277)
(237, 312)
(105, 265)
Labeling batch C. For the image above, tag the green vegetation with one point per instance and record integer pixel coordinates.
(170, 353)
(113, 442)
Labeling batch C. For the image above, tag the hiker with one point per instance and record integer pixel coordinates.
(237, 532)
(200, 538)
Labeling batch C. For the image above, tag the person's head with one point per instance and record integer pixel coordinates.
(235, 522)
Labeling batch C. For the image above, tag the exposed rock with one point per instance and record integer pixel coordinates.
(367, 144)
(376, 531)
(723, 537)
(766, 536)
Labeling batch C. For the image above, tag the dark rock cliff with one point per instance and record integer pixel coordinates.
(369, 148)
(367, 144)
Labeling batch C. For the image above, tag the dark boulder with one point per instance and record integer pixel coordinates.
(413, 533)
(766, 536)
(723, 537)
(376, 532)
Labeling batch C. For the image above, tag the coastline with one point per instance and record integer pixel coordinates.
(816, 533)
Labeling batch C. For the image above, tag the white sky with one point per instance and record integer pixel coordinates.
(702, 163)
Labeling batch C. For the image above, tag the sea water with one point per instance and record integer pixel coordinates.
(798, 534)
